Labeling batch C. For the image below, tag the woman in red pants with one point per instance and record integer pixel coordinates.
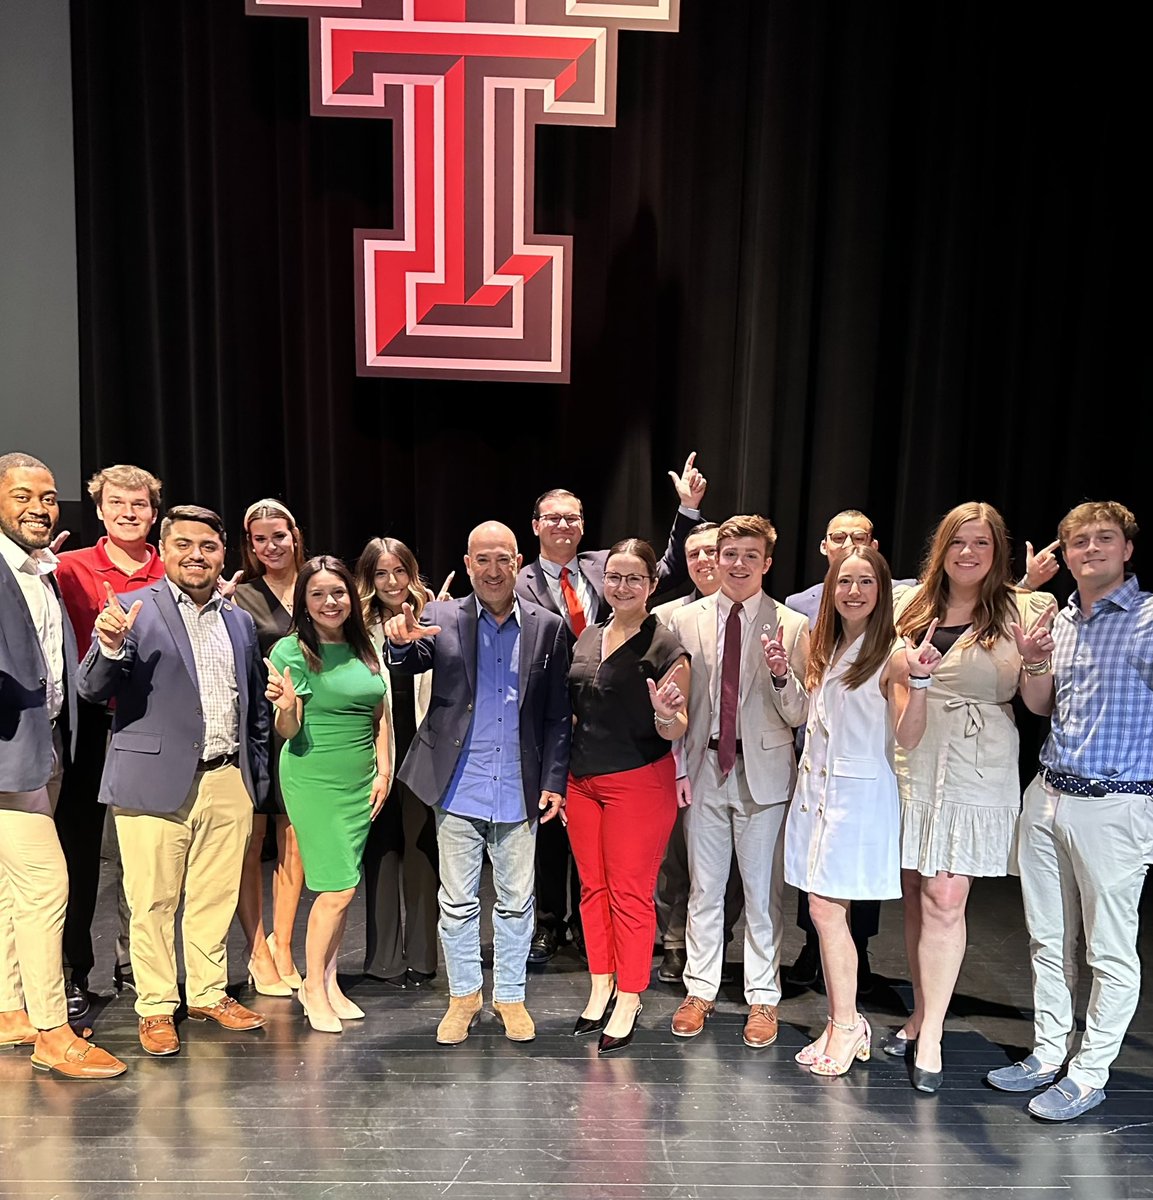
(629, 686)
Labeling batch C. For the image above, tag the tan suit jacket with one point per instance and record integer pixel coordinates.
(768, 715)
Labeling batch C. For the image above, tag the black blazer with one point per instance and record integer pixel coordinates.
(25, 731)
(672, 570)
(545, 714)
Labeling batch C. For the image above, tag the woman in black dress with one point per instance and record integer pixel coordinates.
(273, 555)
(401, 872)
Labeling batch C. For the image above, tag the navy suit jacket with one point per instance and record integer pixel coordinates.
(158, 726)
(672, 570)
(25, 731)
(545, 713)
(809, 601)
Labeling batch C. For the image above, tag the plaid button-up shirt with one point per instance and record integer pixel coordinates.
(1102, 723)
(215, 672)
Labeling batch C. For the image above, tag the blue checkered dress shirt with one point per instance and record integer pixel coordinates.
(1102, 724)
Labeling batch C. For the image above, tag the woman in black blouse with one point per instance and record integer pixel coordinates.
(273, 555)
(629, 687)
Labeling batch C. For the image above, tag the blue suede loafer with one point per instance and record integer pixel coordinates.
(1064, 1101)
(1021, 1076)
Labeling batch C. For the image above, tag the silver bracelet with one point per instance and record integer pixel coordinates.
(665, 723)
(920, 682)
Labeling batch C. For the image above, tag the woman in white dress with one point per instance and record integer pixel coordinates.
(842, 836)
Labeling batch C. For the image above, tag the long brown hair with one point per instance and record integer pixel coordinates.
(370, 602)
(994, 607)
(355, 632)
(829, 629)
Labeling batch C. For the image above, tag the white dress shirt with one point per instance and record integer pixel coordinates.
(31, 571)
(750, 627)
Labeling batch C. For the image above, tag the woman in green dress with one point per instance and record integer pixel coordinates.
(327, 686)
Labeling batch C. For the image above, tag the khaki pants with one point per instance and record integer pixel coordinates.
(1083, 863)
(33, 900)
(196, 852)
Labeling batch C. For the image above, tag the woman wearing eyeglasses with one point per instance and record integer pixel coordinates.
(629, 686)
(401, 866)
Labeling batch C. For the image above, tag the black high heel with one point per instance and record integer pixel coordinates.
(609, 1043)
(587, 1025)
(926, 1081)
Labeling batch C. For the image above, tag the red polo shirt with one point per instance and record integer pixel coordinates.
(82, 575)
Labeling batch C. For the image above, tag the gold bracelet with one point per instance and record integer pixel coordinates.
(1036, 669)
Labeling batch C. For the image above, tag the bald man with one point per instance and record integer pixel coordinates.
(491, 758)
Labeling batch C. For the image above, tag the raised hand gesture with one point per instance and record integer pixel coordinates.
(226, 587)
(1035, 644)
(444, 593)
(405, 628)
(776, 656)
(113, 623)
(1042, 566)
(668, 699)
(280, 689)
(922, 658)
(58, 541)
(690, 483)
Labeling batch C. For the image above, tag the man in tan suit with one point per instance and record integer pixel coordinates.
(748, 664)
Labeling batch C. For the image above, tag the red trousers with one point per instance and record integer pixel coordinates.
(618, 826)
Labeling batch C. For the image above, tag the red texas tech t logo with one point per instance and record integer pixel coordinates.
(463, 286)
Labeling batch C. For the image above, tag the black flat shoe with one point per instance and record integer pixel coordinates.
(926, 1081)
(400, 982)
(420, 978)
(608, 1043)
(587, 1025)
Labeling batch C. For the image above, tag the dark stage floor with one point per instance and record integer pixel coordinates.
(383, 1111)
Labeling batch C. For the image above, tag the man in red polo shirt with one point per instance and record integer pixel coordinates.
(127, 501)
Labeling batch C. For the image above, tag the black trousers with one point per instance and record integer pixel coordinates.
(558, 886)
(401, 878)
(80, 826)
(864, 918)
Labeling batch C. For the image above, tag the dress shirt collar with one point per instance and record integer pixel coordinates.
(749, 608)
(182, 597)
(1123, 597)
(482, 612)
(554, 568)
(36, 562)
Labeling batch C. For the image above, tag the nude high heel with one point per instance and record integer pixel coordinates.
(292, 980)
(810, 1053)
(320, 1024)
(825, 1065)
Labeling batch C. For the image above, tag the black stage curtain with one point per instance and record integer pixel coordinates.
(888, 256)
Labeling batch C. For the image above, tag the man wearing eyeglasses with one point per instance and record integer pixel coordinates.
(570, 582)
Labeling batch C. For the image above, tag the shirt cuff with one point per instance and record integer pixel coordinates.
(397, 649)
(781, 683)
(115, 655)
(692, 513)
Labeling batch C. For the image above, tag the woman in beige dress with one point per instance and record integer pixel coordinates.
(960, 790)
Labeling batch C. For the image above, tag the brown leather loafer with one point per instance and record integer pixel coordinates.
(690, 1018)
(761, 1027)
(82, 1060)
(229, 1013)
(518, 1025)
(158, 1036)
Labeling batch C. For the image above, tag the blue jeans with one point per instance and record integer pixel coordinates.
(462, 842)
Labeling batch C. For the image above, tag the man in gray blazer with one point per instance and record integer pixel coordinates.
(187, 761)
(491, 757)
(37, 720)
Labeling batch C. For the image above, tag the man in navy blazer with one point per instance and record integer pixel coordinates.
(187, 760)
(571, 583)
(37, 717)
(490, 756)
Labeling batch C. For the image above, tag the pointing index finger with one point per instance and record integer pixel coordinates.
(929, 632)
(689, 462)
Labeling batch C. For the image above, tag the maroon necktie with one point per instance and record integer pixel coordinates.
(576, 614)
(730, 692)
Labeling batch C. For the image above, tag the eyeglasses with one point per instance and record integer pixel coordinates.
(560, 519)
(860, 537)
(634, 581)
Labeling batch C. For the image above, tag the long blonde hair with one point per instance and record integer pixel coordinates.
(994, 607)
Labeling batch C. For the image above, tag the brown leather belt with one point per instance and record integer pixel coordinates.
(221, 760)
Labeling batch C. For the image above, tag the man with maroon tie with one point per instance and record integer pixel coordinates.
(571, 583)
(748, 654)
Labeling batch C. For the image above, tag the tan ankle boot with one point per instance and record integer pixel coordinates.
(454, 1025)
(518, 1026)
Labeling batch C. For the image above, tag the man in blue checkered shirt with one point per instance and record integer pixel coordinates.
(1086, 834)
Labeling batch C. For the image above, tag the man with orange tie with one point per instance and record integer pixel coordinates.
(571, 584)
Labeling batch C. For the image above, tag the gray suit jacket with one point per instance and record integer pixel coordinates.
(545, 713)
(158, 727)
(25, 731)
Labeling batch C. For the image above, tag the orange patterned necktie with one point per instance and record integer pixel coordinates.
(576, 614)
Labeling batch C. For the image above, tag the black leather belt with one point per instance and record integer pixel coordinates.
(715, 744)
(221, 760)
(1073, 785)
